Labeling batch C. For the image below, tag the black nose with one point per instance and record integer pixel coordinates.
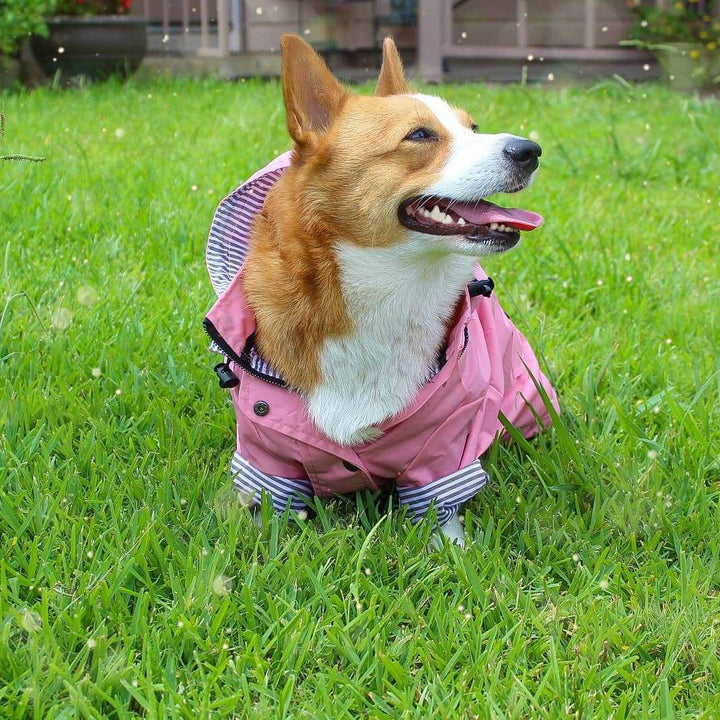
(523, 152)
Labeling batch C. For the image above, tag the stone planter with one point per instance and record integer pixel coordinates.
(687, 66)
(9, 72)
(91, 47)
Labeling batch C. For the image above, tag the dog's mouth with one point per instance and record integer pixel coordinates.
(479, 222)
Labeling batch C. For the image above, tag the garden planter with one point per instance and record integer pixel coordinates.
(9, 72)
(687, 66)
(92, 47)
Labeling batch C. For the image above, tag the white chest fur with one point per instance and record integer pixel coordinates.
(399, 300)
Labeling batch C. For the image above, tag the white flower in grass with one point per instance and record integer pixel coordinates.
(90, 554)
(119, 133)
(534, 135)
(61, 319)
(222, 585)
(194, 188)
(358, 606)
(576, 558)
(91, 643)
(30, 621)
(118, 391)
(604, 584)
(87, 295)
(181, 624)
(368, 571)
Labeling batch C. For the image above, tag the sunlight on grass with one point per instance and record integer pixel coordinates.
(131, 584)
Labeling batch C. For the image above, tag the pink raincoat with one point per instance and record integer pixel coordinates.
(429, 452)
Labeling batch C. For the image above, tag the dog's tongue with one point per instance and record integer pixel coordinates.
(484, 213)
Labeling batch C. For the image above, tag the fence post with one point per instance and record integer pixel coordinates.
(223, 26)
(589, 23)
(430, 35)
(521, 20)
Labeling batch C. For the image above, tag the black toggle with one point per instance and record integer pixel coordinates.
(228, 379)
(481, 287)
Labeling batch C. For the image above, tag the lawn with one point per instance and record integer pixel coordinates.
(131, 583)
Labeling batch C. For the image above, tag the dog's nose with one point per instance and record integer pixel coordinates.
(523, 152)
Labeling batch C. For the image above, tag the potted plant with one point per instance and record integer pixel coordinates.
(91, 38)
(685, 38)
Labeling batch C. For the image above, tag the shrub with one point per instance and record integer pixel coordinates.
(19, 19)
(92, 7)
(691, 21)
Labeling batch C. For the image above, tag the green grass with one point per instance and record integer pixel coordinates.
(132, 585)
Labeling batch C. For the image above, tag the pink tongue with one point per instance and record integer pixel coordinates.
(484, 212)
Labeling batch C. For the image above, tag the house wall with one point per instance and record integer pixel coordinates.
(349, 24)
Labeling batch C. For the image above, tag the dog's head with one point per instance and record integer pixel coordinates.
(380, 170)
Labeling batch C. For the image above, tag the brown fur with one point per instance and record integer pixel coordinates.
(351, 171)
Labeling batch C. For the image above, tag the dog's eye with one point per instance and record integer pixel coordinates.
(420, 135)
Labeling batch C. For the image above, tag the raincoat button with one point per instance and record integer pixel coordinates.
(349, 466)
(261, 408)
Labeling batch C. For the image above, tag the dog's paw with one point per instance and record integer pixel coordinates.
(453, 530)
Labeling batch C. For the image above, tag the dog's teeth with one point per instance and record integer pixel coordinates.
(425, 212)
(493, 226)
(447, 220)
(436, 214)
(461, 222)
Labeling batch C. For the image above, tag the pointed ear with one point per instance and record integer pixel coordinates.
(392, 76)
(313, 96)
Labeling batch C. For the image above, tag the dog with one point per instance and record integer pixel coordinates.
(363, 345)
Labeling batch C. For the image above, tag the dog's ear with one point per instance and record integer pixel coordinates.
(313, 96)
(392, 76)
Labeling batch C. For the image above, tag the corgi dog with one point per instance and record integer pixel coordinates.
(356, 279)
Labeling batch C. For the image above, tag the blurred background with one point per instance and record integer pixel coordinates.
(512, 40)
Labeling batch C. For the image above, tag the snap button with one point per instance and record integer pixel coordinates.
(261, 408)
(349, 466)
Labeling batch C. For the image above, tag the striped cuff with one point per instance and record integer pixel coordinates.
(445, 494)
(251, 483)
